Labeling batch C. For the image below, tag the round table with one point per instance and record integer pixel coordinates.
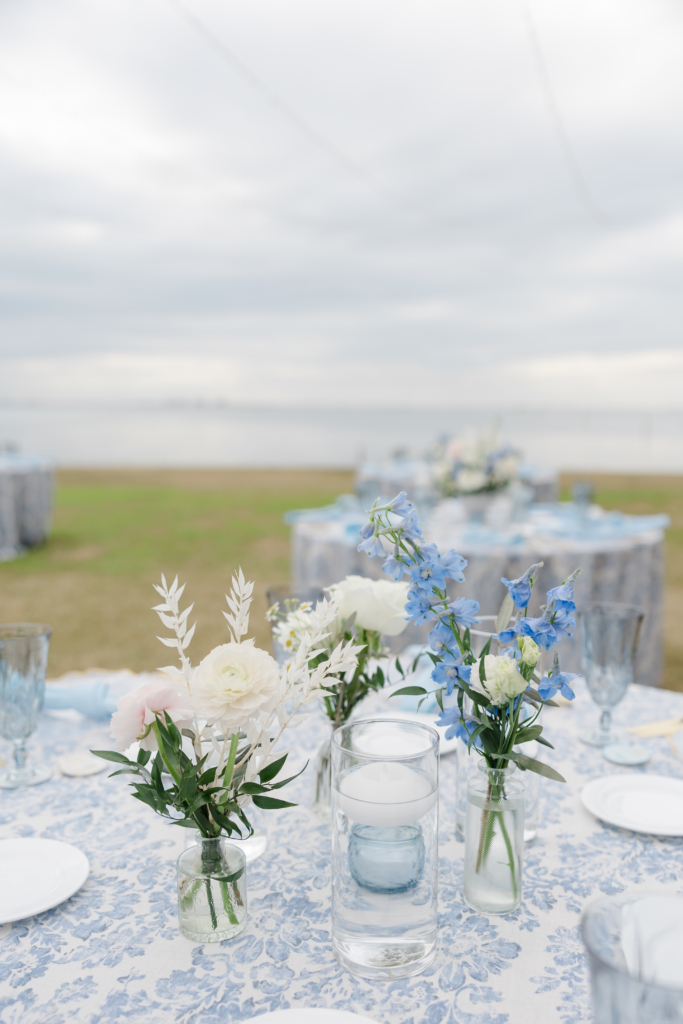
(27, 485)
(113, 951)
(621, 559)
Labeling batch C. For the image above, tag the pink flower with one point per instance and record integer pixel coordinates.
(137, 710)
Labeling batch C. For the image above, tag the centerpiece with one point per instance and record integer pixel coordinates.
(496, 707)
(366, 610)
(474, 464)
(206, 739)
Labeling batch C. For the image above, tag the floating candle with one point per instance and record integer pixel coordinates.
(386, 794)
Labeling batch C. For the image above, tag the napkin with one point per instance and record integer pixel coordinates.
(652, 939)
(91, 698)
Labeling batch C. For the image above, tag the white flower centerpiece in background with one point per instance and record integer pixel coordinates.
(475, 463)
(366, 610)
(206, 741)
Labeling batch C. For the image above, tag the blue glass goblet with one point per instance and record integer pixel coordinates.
(23, 663)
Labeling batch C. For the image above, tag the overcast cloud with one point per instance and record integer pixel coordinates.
(168, 231)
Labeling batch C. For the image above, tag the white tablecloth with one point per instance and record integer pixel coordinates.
(26, 500)
(627, 567)
(113, 951)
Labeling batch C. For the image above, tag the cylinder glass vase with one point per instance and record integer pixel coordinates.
(384, 847)
(212, 891)
(494, 840)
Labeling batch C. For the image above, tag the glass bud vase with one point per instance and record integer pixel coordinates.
(322, 784)
(212, 891)
(494, 840)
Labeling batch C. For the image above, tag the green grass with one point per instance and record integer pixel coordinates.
(116, 531)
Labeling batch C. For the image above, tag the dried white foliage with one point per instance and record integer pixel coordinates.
(300, 683)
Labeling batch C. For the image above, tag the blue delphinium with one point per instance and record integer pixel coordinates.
(497, 700)
(520, 589)
(450, 670)
(461, 726)
(419, 607)
(557, 680)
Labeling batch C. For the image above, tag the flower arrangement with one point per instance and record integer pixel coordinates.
(366, 610)
(474, 464)
(504, 706)
(206, 736)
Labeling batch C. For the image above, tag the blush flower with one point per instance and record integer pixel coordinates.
(136, 712)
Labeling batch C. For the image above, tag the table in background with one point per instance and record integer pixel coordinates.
(113, 951)
(27, 486)
(621, 559)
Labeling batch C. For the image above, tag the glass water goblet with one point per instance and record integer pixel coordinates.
(609, 639)
(23, 663)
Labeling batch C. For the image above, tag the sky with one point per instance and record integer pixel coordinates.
(357, 203)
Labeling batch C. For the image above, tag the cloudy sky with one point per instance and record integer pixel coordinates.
(349, 202)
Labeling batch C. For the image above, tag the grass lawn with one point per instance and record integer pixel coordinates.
(115, 531)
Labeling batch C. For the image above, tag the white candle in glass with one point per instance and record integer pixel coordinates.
(386, 794)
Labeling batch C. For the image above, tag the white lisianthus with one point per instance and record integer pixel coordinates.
(379, 605)
(234, 683)
(531, 652)
(503, 680)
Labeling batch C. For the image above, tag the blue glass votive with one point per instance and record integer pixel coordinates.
(387, 859)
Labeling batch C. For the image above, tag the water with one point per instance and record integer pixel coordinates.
(204, 435)
(384, 934)
(212, 891)
(491, 887)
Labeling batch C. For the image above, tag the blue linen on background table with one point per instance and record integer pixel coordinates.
(113, 951)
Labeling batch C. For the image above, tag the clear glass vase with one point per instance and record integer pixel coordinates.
(494, 840)
(385, 786)
(322, 777)
(212, 891)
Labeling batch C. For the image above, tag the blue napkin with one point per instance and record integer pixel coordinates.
(91, 698)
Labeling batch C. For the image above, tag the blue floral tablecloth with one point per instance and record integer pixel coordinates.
(113, 952)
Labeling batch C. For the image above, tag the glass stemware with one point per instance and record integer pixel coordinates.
(609, 639)
(23, 663)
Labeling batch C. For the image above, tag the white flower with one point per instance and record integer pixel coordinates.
(503, 680)
(234, 683)
(531, 652)
(378, 604)
(470, 480)
(289, 631)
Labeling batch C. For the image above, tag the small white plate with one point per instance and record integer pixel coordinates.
(642, 803)
(37, 875)
(318, 1016)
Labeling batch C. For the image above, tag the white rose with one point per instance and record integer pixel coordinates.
(503, 680)
(470, 480)
(531, 652)
(234, 682)
(379, 604)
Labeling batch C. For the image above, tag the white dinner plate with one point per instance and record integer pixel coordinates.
(38, 874)
(317, 1016)
(643, 803)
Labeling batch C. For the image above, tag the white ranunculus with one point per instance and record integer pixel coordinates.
(503, 680)
(379, 604)
(531, 652)
(234, 682)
